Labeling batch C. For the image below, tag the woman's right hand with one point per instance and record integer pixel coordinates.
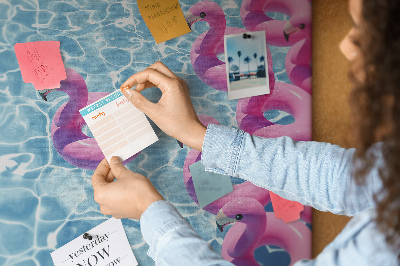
(173, 113)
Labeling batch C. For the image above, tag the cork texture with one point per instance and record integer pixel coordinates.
(331, 89)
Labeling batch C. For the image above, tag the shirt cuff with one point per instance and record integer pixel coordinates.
(158, 219)
(221, 149)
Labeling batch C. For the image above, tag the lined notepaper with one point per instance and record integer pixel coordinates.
(118, 126)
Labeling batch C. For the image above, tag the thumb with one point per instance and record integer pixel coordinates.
(138, 100)
(117, 167)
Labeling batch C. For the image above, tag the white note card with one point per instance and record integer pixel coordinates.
(118, 126)
(108, 247)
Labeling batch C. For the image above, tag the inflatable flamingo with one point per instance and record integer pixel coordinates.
(298, 64)
(66, 128)
(284, 97)
(253, 227)
(295, 32)
(210, 44)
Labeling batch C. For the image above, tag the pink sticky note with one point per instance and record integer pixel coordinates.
(286, 210)
(41, 63)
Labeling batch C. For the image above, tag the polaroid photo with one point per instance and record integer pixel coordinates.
(246, 64)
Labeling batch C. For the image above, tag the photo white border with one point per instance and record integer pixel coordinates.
(254, 91)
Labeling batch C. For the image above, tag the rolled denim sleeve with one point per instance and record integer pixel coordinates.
(172, 241)
(316, 174)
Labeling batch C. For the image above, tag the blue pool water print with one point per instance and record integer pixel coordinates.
(46, 197)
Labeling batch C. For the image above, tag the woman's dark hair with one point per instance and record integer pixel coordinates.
(376, 107)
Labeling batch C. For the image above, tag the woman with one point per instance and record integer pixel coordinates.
(362, 182)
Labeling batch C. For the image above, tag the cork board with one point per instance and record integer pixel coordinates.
(331, 89)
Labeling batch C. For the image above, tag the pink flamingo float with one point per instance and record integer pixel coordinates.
(66, 129)
(296, 32)
(253, 227)
(252, 231)
(210, 44)
(284, 97)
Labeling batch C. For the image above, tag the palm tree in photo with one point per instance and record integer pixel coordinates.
(230, 59)
(255, 58)
(234, 68)
(239, 54)
(262, 59)
(247, 60)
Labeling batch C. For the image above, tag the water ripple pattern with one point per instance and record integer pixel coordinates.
(46, 202)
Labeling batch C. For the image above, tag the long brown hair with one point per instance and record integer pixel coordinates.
(376, 106)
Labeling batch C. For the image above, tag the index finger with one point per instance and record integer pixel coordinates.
(159, 80)
(160, 67)
(100, 174)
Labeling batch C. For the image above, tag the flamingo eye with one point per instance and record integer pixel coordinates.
(302, 26)
(202, 15)
(239, 217)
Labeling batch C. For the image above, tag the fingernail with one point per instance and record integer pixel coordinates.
(115, 160)
(127, 93)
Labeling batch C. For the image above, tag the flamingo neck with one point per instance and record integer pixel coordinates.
(76, 89)
(247, 233)
(301, 52)
(213, 36)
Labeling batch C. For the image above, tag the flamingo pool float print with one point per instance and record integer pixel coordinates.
(66, 129)
(245, 205)
(295, 32)
(210, 44)
(253, 227)
(285, 97)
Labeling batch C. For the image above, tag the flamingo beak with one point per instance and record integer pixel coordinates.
(220, 227)
(288, 29)
(223, 220)
(191, 19)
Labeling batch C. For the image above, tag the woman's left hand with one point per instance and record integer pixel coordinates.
(127, 197)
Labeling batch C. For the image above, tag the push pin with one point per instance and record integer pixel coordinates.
(246, 36)
(87, 236)
(43, 94)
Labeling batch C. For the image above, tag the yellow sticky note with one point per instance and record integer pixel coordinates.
(164, 18)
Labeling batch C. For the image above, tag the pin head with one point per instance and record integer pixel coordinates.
(246, 36)
(87, 236)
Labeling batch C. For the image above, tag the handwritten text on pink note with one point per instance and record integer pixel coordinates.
(41, 63)
(284, 209)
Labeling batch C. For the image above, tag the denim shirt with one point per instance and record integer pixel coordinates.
(313, 173)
